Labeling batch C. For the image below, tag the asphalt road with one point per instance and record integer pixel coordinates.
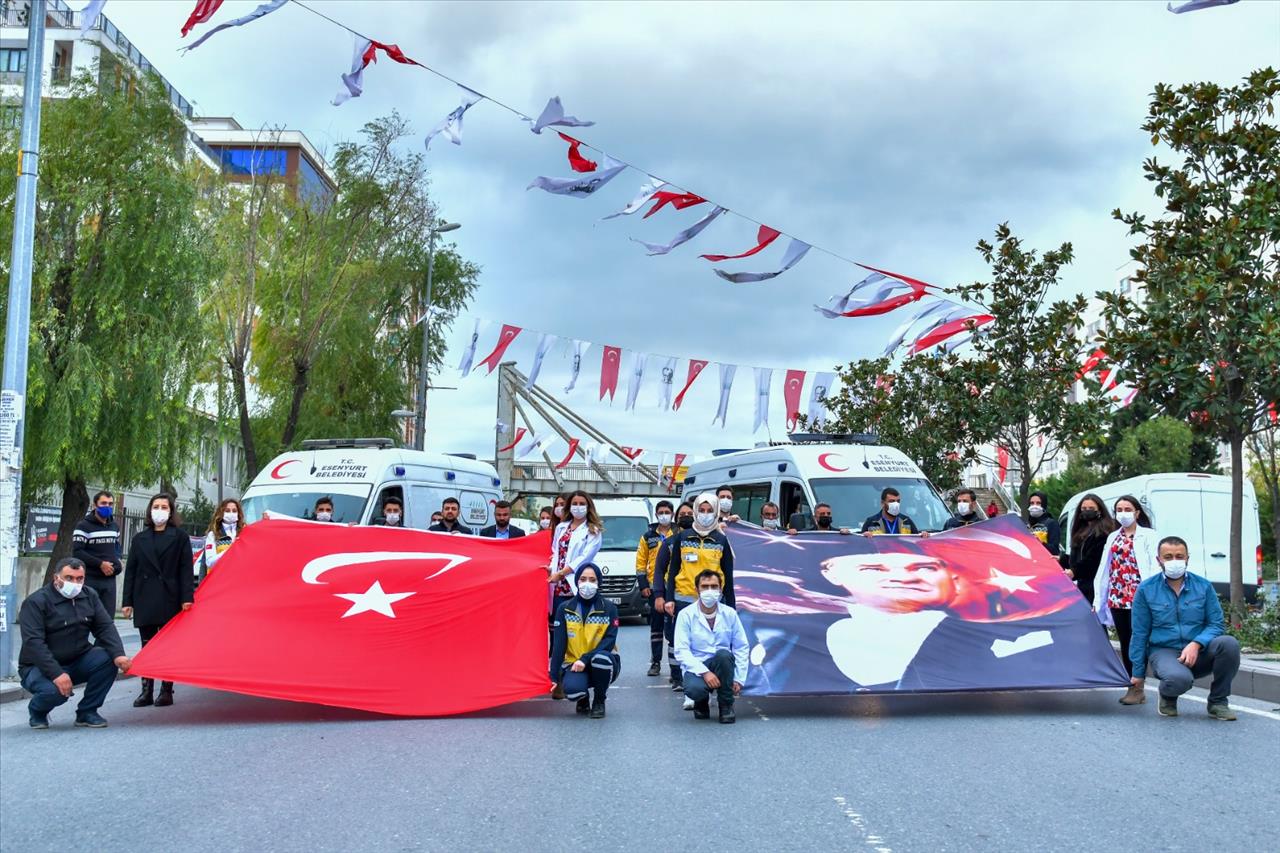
(1064, 771)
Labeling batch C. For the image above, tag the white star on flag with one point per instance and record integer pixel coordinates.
(373, 599)
(1010, 583)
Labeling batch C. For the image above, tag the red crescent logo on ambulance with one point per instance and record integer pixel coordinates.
(275, 472)
(824, 461)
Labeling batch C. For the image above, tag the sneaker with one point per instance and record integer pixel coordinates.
(91, 720)
(655, 668)
(1168, 707)
(1222, 712)
(584, 705)
(689, 704)
(702, 710)
(39, 721)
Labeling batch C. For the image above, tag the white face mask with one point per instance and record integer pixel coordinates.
(1125, 518)
(230, 517)
(771, 524)
(1035, 510)
(664, 518)
(962, 507)
(709, 598)
(893, 507)
(1174, 569)
(324, 515)
(544, 523)
(726, 504)
(587, 589)
(706, 519)
(393, 518)
(559, 511)
(578, 511)
(69, 589)
(159, 516)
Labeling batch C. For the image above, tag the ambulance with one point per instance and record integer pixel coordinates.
(359, 474)
(846, 471)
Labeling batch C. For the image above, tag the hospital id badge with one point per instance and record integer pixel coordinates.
(691, 558)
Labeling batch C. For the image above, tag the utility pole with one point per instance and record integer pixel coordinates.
(420, 420)
(17, 335)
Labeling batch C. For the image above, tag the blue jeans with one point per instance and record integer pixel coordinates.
(1221, 657)
(722, 665)
(94, 669)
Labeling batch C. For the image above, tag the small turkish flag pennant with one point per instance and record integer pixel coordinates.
(695, 367)
(505, 337)
(609, 363)
(792, 389)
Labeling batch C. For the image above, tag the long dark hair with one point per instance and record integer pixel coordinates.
(1100, 526)
(1143, 519)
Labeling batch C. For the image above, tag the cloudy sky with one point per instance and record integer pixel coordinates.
(893, 134)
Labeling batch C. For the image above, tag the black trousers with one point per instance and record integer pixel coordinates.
(106, 590)
(147, 632)
(1124, 630)
(657, 627)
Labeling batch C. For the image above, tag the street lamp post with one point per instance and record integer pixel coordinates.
(420, 427)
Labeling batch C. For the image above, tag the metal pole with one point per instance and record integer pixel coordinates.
(420, 422)
(17, 334)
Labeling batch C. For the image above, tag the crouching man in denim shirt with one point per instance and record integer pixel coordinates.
(1178, 633)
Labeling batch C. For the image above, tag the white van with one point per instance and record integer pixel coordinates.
(1196, 507)
(358, 474)
(797, 476)
(625, 521)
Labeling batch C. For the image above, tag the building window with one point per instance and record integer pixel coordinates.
(13, 59)
(313, 188)
(253, 161)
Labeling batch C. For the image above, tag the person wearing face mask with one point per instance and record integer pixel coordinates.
(392, 513)
(324, 509)
(770, 516)
(223, 530)
(584, 651)
(1044, 526)
(683, 521)
(158, 582)
(56, 622)
(1128, 558)
(724, 506)
(703, 547)
(450, 508)
(712, 649)
(646, 559)
(966, 511)
(546, 519)
(574, 543)
(1179, 634)
(890, 519)
(1090, 527)
(96, 543)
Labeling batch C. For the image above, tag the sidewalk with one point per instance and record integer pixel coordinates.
(11, 691)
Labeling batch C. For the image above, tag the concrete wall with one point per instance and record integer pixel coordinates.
(31, 577)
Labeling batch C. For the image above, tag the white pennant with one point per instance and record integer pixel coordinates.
(914, 317)
(872, 289)
(684, 236)
(451, 127)
(501, 427)
(93, 9)
(265, 9)
(647, 191)
(553, 116)
(545, 343)
(469, 352)
(580, 186)
(664, 387)
(354, 80)
(817, 408)
(764, 377)
(638, 361)
(796, 251)
(539, 443)
(726, 385)
(579, 350)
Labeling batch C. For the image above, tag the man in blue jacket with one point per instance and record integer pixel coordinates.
(1178, 631)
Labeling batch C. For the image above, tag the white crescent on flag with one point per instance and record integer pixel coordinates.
(312, 571)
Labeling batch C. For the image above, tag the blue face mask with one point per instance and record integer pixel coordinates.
(105, 512)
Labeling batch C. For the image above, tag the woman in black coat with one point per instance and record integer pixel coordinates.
(1089, 531)
(158, 582)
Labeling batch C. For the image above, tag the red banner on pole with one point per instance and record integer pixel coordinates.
(792, 389)
(609, 363)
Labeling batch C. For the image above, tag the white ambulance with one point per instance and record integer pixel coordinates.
(359, 474)
(846, 471)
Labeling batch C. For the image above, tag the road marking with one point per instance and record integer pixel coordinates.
(875, 842)
(761, 714)
(1239, 709)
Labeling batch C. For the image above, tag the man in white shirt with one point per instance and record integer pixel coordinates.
(711, 647)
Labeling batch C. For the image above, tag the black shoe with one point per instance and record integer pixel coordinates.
(702, 710)
(655, 668)
(39, 721)
(584, 705)
(597, 709)
(166, 694)
(727, 716)
(146, 697)
(90, 720)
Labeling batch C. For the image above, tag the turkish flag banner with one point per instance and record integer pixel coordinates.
(381, 619)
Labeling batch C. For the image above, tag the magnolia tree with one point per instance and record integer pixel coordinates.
(1204, 342)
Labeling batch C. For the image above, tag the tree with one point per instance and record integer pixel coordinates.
(919, 409)
(1264, 447)
(1156, 446)
(119, 269)
(1201, 454)
(1078, 477)
(1023, 364)
(1204, 342)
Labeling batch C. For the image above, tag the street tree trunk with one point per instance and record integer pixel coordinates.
(75, 503)
(238, 383)
(1237, 518)
(301, 379)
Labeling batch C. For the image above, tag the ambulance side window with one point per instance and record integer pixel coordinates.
(792, 499)
(388, 492)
